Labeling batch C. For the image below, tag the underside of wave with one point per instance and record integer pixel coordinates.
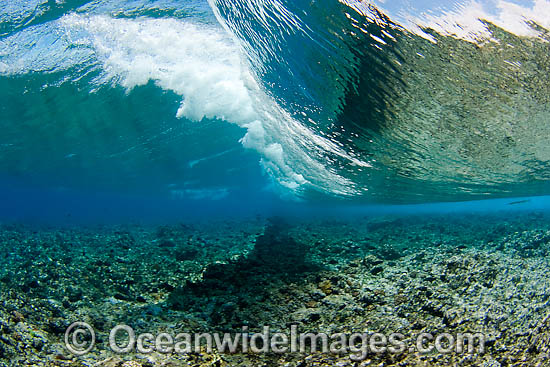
(198, 62)
(435, 104)
(336, 99)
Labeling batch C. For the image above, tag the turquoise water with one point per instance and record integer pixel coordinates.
(221, 166)
(169, 110)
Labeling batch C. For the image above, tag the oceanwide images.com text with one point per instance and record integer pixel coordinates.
(80, 339)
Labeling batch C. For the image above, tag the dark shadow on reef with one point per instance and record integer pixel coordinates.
(228, 292)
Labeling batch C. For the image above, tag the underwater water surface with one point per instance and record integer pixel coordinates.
(223, 166)
(262, 102)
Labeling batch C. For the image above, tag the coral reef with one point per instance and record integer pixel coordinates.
(408, 275)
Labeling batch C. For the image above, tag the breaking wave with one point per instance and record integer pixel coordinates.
(348, 99)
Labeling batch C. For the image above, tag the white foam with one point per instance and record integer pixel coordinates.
(199, 63)
(205, 66)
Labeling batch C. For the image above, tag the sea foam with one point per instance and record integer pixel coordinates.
(205, 66)
(202, 63)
